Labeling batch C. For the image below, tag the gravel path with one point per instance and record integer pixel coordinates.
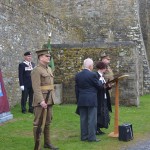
(141, 145)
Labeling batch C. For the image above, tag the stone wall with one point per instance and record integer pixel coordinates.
(25, 25)
(69, 60)
(22, 29)
(144, 13)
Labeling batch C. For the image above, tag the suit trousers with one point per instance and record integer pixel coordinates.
(88, 122)
(28, 92)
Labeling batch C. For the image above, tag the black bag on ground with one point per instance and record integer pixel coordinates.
(125, 132)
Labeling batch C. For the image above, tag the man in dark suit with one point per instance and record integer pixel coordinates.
(86, 86)
(24, 71)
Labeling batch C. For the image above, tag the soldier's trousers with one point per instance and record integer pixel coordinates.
(37, 114)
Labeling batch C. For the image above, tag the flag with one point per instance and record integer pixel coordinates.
(51, 64)
(48, 46)
(4, 105)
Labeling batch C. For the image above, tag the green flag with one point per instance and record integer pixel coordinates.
(51, 64)
(48, 46)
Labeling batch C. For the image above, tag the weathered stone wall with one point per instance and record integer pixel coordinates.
(22, 28)
(71, 57)
(25, 25)
(144, 13)
(104, 21)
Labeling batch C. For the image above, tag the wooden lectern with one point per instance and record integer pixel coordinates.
(116, 120)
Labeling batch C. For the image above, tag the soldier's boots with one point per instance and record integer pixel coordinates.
(47, 139)
(50, 146)
(34, 132)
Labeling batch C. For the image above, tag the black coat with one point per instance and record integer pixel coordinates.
(103, 108)
(24, 73)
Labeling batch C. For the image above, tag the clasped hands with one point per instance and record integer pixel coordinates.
(43, 104)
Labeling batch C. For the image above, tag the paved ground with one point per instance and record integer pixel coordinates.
(140, 145)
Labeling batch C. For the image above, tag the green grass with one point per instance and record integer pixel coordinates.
(65, 128)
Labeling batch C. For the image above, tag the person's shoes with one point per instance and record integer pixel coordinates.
(99, 132)
(84, 140)
(50, 146)
(97, 140)
(30, 110)
(24, 112)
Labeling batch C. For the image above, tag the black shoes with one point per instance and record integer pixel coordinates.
(84, 140)
(97, 140)
(50, 146)
(99, 132)
(30, 110)
(24, 112)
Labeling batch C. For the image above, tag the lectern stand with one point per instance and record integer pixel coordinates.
(116, 120)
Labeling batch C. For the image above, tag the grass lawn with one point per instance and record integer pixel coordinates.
(65, 128)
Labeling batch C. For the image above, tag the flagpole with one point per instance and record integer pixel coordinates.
(51, 64)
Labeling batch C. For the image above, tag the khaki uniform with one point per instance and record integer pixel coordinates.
(42, 81)
(108, 75)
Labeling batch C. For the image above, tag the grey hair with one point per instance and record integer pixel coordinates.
(87, 63)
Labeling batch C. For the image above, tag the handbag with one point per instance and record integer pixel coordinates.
(125, 132)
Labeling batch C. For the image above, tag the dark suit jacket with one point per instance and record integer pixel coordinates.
(86, 86)
(24, 73)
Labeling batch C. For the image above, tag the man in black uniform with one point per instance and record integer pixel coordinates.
(24, 71)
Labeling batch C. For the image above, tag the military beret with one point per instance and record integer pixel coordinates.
(43, 52)
(104, 55)
(27, 53)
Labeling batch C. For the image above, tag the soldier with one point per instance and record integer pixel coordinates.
(42, 81)
(24, 71)
(108, 75)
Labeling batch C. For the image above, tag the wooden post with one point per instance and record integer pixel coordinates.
(116, 119)
(116, 123)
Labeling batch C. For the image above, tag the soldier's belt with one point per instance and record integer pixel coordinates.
(47, 87)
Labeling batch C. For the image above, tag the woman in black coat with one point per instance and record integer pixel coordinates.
(103, 98)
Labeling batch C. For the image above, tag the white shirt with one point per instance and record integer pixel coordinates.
(103, 81)
(101, 77)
